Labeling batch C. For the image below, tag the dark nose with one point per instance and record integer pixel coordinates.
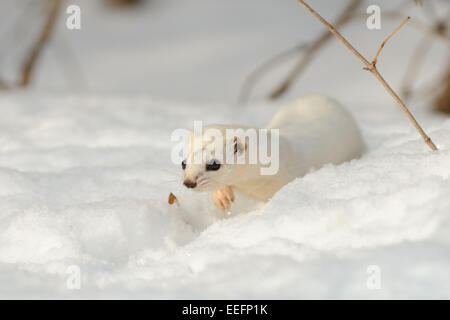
(190, 184)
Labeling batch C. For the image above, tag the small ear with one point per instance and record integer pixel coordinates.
(238, 147)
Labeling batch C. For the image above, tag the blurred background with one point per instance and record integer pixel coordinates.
(203, 50)
(85, 170)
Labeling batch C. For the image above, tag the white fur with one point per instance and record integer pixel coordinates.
(314, 130)
(318, 130)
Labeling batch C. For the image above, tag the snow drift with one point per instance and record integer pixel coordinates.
(85, 172)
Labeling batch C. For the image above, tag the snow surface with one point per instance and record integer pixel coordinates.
(85, 172)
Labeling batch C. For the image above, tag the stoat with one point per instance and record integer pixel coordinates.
(313, 131)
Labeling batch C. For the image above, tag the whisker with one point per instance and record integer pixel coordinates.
(176, 173)
(216, 180)
(170, 181)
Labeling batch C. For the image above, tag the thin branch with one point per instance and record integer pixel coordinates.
(305, 60)
(15, 29)
(298, 69)
(416, 23)
(374, 61)
(3, 85)
(374, 71)
(414, 64)
(251, 79)
(430, 90)
(30, 62)
(430, 10)
(442, 102)
(70, 64)
(343, 18)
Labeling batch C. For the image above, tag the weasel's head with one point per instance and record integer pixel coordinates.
(206, 168)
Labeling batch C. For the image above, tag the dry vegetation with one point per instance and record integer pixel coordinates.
(436, 28)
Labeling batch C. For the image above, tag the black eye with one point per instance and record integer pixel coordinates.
(183, 164)
(213, 165)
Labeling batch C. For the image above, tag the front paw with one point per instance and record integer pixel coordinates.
(223, 197)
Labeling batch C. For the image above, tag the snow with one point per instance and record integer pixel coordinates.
(85, 172)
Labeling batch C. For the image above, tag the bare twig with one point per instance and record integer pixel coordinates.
(430, 10)
(30, 62)
(3, 85)
(374, 71)
(439, 27)
(438, 32)
(442, 102)
(343, 18)
(429, 90)
(264, 67)
(414, 64)
(416, 23)
(124, 3)
(70, 64)
(298, 69)
(374, 60)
